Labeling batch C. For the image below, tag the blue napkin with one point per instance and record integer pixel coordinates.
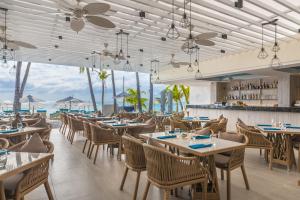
(198, 146)
(9, 131)
(293, 127)
(188, 118)
(166, 136)
(172, 132)
(3, 152)
(203, 117)
(119, 124)
(272, 129)
(197, 137)
(286, 124)
(264, 125)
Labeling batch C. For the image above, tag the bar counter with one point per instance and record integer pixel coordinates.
(251, 115)
(248, 108)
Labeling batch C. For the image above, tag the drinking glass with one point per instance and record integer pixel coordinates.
(167, 128)
(3, 160)
(20, 126)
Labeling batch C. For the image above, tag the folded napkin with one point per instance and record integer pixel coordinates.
(203, 117)
(272, 129)
(110, 121)
(132, 122)
(3, 152)
(264, 125)
(198, 146)
(293, 127)
(119, 124)
(197, 137)
(188, 118)
(166, 136)
(9, 131)
(286, 124)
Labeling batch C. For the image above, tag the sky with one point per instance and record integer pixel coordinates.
(54, 82)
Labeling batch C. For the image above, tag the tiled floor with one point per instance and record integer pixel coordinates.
(73, 176)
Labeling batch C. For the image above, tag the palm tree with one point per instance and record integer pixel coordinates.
(138, 91)
(186, 93)
(177, 94)
(81, 71)
(114, 90)
(103, 75)
(151, 95)
(17, 105)
(132, 98)
(25, 79)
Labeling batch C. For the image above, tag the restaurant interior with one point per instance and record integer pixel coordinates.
(227, 126)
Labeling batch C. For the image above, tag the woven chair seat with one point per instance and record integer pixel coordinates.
(222, 161)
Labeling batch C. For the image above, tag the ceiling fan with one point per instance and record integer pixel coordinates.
(176, 64)
(14, 44)
(201, 39)
(79, 15)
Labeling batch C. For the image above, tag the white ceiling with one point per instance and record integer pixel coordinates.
(33, 21)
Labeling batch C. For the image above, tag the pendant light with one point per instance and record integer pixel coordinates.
(127, 66)
(198, 74)
(117, 60)
(184, 22)
(190, 43)
(5, 51)
(262, 54)
(275, 47)
(173, 32)
(190, 67)
(275, 62)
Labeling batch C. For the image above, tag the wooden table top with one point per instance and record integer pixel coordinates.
(24, 131)
(219, 145)
(26, 120)
(289, 131)
(195, 120)
(18, 162)
(125, 125)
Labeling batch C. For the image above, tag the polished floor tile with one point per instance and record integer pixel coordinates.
(74, 176)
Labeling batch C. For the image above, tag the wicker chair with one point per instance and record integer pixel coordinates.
(169, 171)
(102, 136)
(18, 146)
(229, 161)
(4, 143)
(135, 160)
(296, 145)
(65, 123)
(179, 124)
(257, 141)
(87, 135)
(76, 125)
(28, 181)
(161, 124)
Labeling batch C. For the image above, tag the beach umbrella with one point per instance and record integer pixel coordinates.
(70, 100)
(30, 100)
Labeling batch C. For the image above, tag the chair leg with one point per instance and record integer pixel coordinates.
(92, 149)
(222, 174)
(119, 152)
(96, 154)
(84, 145)
(228, 185)
(260, 152)
(299, 159)
(124, 178)
(146, 190)
(204, 190)
(270, 159)
(48, 190)
(166, 194)
(136, 185)
(89, 149)
(245, 177)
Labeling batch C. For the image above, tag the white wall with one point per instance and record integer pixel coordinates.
(202, 93)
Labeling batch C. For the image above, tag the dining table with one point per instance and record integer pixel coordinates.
(23, 132)
(182, 142)
(18, 162)
(281, 138)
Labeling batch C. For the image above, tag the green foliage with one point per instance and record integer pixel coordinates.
(186, 93)
(103, 75)
(132, 99)
(176, 92)
(81, 70)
